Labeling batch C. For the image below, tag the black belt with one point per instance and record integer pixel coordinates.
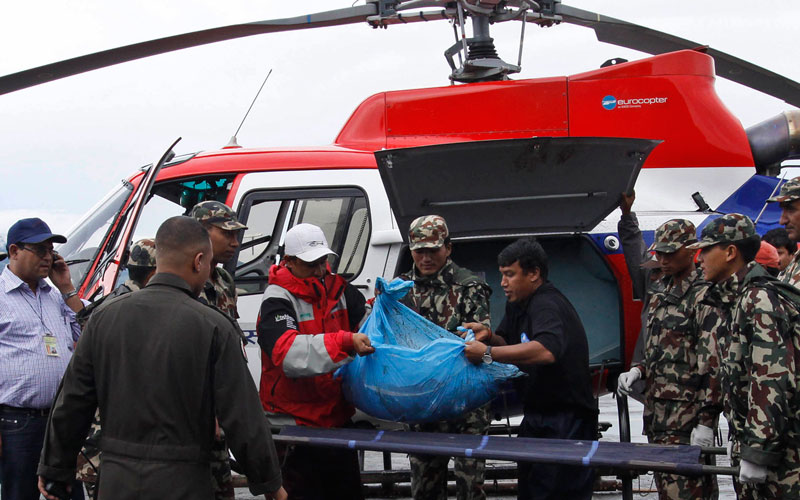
(36, 412)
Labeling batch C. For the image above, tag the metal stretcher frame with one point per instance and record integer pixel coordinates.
(678, 459)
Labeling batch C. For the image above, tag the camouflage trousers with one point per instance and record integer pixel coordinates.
(88, 465)
(783, 481)
(677, 487)
(429, 473)
(221, 475)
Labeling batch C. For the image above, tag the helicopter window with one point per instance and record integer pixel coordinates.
(261, 225)
(85, 240)
(342, 214)
(169, 199)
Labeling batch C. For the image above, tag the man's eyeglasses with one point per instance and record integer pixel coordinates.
(40, 251)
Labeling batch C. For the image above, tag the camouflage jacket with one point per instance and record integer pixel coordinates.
(760, 364)
(220, 292)
(791, 274)
(449, 298)
(681, 363)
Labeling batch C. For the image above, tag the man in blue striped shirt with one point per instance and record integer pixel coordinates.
(38, 331)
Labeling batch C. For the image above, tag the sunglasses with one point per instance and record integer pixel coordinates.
(40, 251)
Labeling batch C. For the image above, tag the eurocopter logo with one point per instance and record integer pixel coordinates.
(610, 102)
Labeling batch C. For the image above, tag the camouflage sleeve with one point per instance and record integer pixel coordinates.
(769, 378)
(709, 393)
(475, 303)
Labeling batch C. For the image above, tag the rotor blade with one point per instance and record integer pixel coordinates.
(648, 40)
(82, 64)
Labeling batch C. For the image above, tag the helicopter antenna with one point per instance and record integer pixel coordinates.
(232, 143)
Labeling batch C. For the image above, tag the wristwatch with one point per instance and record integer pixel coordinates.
(487, 356)
(69, 295)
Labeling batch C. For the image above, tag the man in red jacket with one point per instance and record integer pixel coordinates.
(305, 330)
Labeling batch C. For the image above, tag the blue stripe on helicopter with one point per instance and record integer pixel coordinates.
(750, 200)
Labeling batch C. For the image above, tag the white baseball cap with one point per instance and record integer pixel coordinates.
(306, 242)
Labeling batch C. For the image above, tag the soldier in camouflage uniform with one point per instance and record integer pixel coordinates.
(141, 267)
(449, 296)
(220, 292)
(680, 366)
(759, 350)
(224, 229)
(789, 199)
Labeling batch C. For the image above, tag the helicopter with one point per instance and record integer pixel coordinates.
(389, 14)
(281, 186)
(223, 77)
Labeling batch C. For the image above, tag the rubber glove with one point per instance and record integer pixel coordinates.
(752, 473)
(626, 380)
(702, 436)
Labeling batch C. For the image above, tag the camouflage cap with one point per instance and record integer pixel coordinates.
(672, 235)
(217, 214)
(143, 254)
(729, 228)
(790, 191)
(428, 231)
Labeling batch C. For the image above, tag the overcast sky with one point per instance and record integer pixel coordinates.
(64, 144)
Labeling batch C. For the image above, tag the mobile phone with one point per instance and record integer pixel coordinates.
(57, 488)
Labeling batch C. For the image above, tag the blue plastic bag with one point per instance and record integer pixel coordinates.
(418, 372)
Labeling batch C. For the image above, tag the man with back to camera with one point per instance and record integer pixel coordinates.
(38, 331)
(141, 266)
(543, 335)
(680, 365)
(219, 291)
(759, 352)
(305, 330)
(162, 367)
(786, 247)
(789, 200)
(448, 296)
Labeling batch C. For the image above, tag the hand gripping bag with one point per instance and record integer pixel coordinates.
(418, 372)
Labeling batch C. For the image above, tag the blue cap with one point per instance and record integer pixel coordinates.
(33, 230)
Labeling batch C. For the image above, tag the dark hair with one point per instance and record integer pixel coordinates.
(139, 273)
(179, 237)
(779, 238)
(529, 253)
(749, 247)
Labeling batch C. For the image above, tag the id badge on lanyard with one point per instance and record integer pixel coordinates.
(51, 345)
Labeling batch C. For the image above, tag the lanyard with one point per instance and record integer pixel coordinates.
(40, 313)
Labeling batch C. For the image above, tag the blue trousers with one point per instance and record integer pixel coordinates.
(556, 482)
(23, 436)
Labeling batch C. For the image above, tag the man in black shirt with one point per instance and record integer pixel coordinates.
(543, 335)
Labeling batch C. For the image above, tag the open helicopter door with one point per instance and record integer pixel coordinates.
(541, 185)
(115, 258)
(491, 191)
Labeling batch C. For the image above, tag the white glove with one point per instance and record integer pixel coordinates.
(702, 436)
(752, 473)
(626, 380)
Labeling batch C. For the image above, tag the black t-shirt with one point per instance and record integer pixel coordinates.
(549, 318)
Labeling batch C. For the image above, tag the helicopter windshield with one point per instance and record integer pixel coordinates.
(86, 238)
